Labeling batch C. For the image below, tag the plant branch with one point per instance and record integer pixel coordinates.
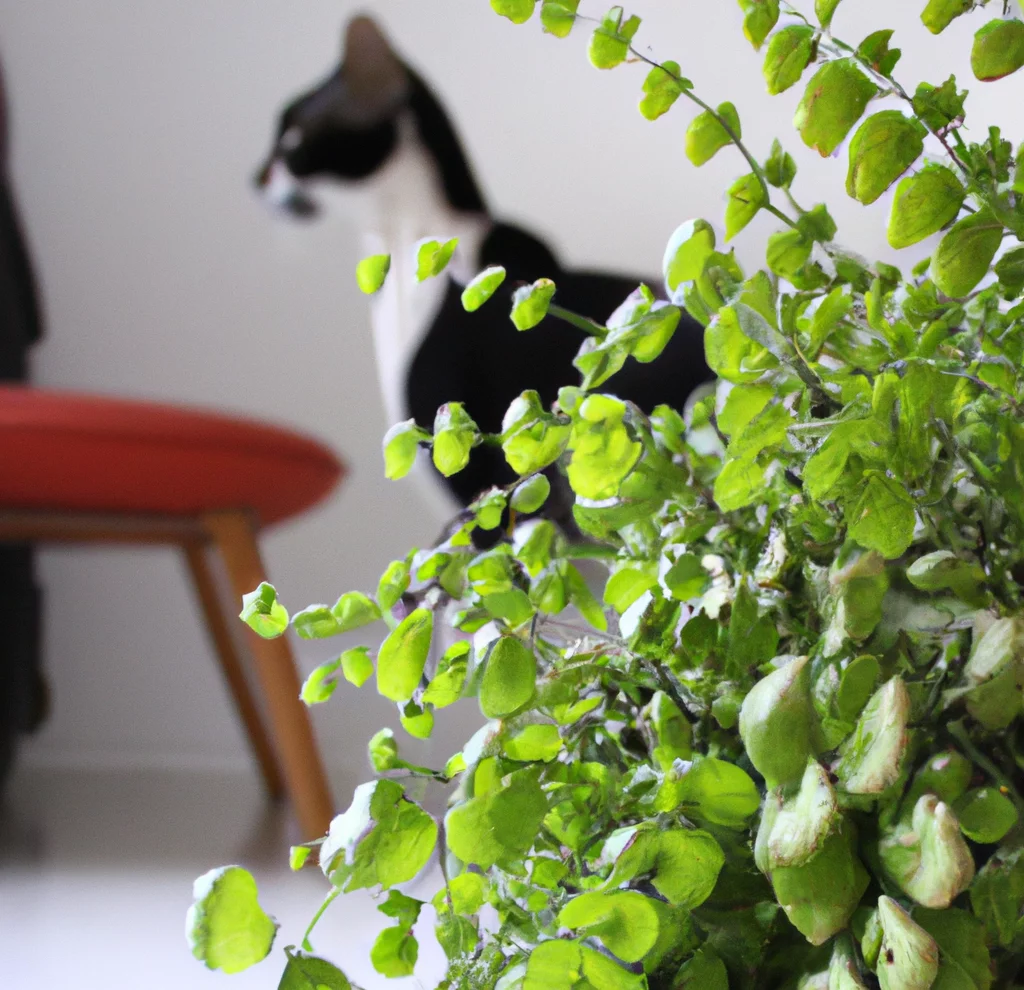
(755, 167)
(584, 323)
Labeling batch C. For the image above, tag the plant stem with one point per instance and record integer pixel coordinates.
(587, 325)
(960, 734)
(306, 945)
(733, 136)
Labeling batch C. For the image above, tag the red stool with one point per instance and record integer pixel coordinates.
(92, 469)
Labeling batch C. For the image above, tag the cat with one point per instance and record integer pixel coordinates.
(374, 130)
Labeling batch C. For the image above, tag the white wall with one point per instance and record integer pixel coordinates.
(136, 129)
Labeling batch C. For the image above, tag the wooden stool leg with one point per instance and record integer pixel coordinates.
(224, 644)
(235, 539)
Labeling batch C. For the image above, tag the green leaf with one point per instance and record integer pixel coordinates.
(371, 272)
(963, 956)
(820, 896)
(909, 956)
(746, 197)
(1010, 269)
(532, 438)
(417, 721)
(559, 16)
(530, 303)
(739, 484)
(455, 435)
(353, 610)
(759, 17)
(404, 909)
(305, 972)
(467, 891)
(883, 517)
(800, 828)
(686, 578)
(870, 761)
(827, 314)
(789, 52)
(403, 655)
(482, 287)
(939, 106)
(510, 673)
(686, 253)
(742, 404)
(401, 443)
(883, 148)
(716, 792)
(500, 825)
(393, 584)
(706, 136)
(395, 951)
(998, 49)
(226, 927)
(529, 495)
(446, 686)
(779, 707)
(997, 895)
(788, 251)
(924, 203)
(704, 970)
(856, 685)
(535, 743)
(662, 87)
(382, 839)
(780, 168)
(824, 10)
(965, 253)
(939, 14)
(489, 508)
(625, 586)
(685, 862)
(603, 452)
(297, 856)
(554, 965)
(517, 11)
(875, 50)
(432, 257)
(383, 751)
(321, 683)
(609, 44)
(263, 613)
(985, 814)
(834, 99)
(625, 921)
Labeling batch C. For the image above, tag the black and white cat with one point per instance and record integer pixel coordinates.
(374, 129)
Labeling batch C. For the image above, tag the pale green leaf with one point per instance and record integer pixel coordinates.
(706, 136)
(482, 287)
(226, 927)
(403, 655)
(372, 271)
(836, 96)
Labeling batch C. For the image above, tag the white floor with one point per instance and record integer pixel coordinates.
(96, 873)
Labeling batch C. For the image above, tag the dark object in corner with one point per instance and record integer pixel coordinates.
(22, 690)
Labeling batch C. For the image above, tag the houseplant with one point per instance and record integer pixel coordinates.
(786, 749)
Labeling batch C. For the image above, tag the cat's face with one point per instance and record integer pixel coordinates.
(343, 130)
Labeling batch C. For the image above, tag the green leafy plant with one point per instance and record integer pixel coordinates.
(786, 749)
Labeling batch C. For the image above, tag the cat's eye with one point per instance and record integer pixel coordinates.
(291, 139)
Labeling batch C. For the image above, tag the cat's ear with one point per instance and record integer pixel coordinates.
(371, 68)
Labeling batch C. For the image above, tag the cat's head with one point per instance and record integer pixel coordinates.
(344, 129)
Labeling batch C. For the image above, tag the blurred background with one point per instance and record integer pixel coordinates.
(135, 129)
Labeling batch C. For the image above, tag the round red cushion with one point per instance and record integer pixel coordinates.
(87, 453)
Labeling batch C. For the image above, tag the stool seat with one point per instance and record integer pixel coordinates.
(88, 468)
(74, 452)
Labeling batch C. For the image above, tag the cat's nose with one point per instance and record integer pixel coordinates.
(261, 178)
